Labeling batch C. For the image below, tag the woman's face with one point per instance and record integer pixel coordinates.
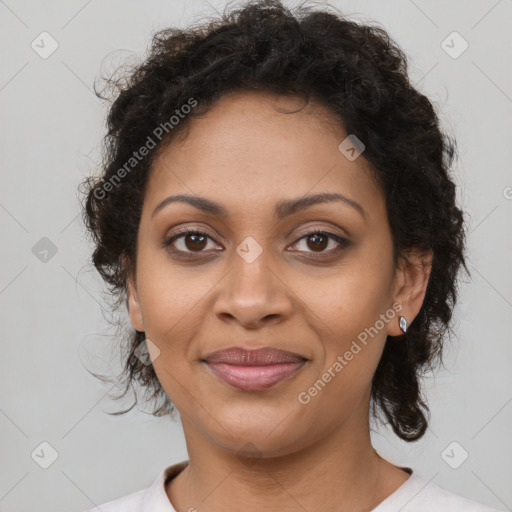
(255, 276)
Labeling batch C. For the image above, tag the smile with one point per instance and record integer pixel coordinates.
(254, 369)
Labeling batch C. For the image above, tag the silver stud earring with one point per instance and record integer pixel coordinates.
(403, 323)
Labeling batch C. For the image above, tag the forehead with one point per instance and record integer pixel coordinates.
(254, 147)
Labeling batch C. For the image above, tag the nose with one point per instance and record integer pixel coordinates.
(253, 295)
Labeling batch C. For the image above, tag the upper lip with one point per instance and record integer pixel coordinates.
(255, 357)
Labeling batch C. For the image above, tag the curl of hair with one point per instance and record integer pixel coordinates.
(360, 75)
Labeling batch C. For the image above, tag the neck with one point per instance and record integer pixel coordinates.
(340, 470)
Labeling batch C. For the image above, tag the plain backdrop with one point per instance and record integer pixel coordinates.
(51, 298)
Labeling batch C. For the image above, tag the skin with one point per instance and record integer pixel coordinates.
(247, 155)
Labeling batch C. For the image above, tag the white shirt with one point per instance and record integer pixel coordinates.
(416, 494)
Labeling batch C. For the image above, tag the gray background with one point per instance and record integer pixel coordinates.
(52, 325)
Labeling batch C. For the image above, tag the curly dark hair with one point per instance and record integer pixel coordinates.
(360, 75)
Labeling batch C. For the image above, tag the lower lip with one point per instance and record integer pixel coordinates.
(254, 378)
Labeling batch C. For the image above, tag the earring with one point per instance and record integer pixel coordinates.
(403, 323)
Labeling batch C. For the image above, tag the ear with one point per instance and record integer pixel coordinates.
(411, 282)
(132, 298)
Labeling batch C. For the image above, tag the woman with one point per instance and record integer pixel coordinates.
(277, 214)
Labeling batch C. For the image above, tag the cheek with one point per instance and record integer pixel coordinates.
(169, 295)
(347, 315)
(349, 301)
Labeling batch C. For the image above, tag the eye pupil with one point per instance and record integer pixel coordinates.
(194, 246)
(318, 243)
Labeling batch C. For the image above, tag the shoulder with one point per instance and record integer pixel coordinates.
(422, 495)
(129, 503)
(150, 499)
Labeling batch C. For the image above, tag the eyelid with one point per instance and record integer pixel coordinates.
(301, 233)
(321, 229)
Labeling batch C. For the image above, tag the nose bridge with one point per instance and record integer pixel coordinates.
(252, 291)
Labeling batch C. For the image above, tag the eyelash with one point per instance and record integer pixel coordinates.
(343, 242)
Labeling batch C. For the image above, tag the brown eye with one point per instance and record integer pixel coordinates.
(195, 242)
(318, 241)
(188, 242)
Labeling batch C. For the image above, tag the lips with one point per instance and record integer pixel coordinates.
(258, 357)
(254, 370)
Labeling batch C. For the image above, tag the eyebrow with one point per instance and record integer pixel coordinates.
(283, 209)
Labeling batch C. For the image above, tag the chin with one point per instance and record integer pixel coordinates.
(263, 432)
